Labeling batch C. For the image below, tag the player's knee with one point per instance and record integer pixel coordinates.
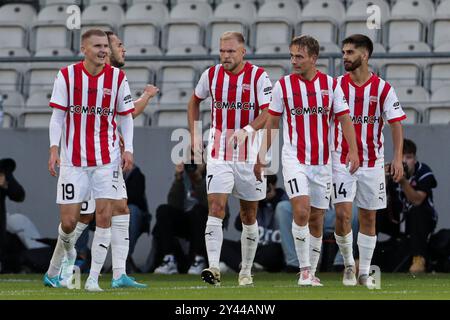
(217, 210)
(68, 224)
(302, 213)
(121, 208)
(342, 217)
(248, 218)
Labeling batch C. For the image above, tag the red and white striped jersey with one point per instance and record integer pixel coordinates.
(307, 108)
(91, 103)
(236, 101)
(369, 104)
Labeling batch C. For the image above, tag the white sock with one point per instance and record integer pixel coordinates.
(366, 245)
(100, 245)
(64, 246)
(249, 244)
(213, 240)
(345, 244)
(79, 230)
(301, 240)
(315, 247)
(120, 241)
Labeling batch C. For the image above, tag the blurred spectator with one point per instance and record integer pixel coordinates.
(184, 216)
(269, 255)
(416, 195)
(9, 187)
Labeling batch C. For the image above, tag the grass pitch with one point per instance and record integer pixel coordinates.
(268, 286)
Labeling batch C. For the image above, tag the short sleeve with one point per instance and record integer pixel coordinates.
(340, 105)
(392, 110)
(59, 98)
(125, 101)
(201, 91)
(264, 90)
(276, 105)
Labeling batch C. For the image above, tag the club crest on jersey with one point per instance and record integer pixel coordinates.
(106, 92)
(245, 86)
(373, 99)
(324, 93)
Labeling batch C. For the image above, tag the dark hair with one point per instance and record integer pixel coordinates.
(93, 32)
(409, 146)
(7, 165)
(308, 42)
(359, 40)
(109, 34)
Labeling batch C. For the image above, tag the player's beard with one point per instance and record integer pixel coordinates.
(116, 63)
(354, 65)
(231, 66)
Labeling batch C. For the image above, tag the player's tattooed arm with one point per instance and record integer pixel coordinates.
(139, 105)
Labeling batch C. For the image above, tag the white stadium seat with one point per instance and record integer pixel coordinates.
(40, 79)
(199, 11)
(245, 11)
(39, 99)
(413, 100)
(12, 99)
(402, 74)
(438, 75)
(10, 79)
(177, 77)
(217, 26)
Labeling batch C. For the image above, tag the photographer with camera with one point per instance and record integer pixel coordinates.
(184, 216)
(416, 195)
(9, 187)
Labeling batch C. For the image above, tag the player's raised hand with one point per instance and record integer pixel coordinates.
(53, 160)
(150, 91)
(352, 159)
(127, 161)
(397, 170)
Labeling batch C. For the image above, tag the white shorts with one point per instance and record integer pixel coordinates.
(76, 184)
(236, 178)
(88, 207)
(366, 188)
(308, 180)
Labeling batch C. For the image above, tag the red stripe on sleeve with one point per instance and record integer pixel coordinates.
(398, 119)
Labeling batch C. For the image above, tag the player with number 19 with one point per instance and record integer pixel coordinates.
(87, 100)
